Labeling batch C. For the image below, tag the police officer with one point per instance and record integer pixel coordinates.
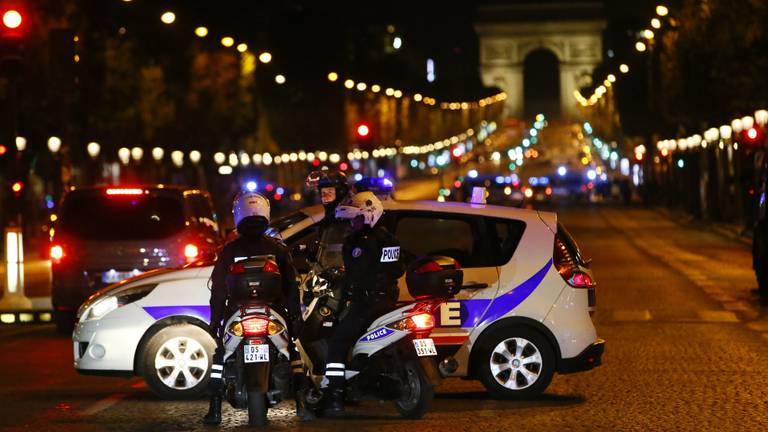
(333, 189)
(251, 216)
(372, 266)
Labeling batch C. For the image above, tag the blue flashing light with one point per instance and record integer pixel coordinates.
(533, 181)
(280, 191)
(377, 185)
(414, 163)
(358, 177)
(543, 181)
(499, 179)
(591, 174)
(251, 186)
(680, 163)
(562, 171)
(472, 173)
(49, 203)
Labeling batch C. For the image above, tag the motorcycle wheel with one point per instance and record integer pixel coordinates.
(257, 408)
(417, 393)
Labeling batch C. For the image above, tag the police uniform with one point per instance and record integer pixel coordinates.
(372, 266)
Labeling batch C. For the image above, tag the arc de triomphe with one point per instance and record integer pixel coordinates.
(509, 33)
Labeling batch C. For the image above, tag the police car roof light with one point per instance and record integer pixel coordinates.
(377, 185)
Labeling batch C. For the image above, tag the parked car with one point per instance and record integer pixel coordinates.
(107, 234)
(524, 312)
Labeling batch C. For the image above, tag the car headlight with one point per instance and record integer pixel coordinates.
(112, 301)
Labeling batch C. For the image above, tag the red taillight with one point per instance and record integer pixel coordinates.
(124, 191)
(57, 253)
(548, 191)
(566, 265)
(429, 267)
(254, 326)
(423, 322)
(191, 251)
(237, 268)
(270, 267)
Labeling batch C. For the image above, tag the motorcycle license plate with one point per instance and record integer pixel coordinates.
(256, 353)
(425, 347)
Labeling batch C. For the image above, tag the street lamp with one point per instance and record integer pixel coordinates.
(219, 158)
(93, 149)
(623, 68)
(656, 23)
(137, 153)
(21, 143)
(54, 144)
(349, 83)
(748, 122)
(177, 157)
(640, 46)
(761, 117)
(158, 153)
(280, 79)
(361, 86)
(242, 47)
(201, 32)
(265, 57)
(124, 154)
(737, 126)
(168, 17)
(333, 76)
(227, 41)
(195, 156)
(648, 34)
(662, 10)
(233, 160)
(266, 158)
(256, 158)
(245, 160)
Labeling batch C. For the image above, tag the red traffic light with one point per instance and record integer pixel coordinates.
(363, 130)
(753, 135)
(16, 187)
(12, 19)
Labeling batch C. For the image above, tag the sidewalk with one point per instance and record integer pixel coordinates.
(730, 231)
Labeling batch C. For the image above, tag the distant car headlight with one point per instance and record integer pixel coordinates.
(106, 304)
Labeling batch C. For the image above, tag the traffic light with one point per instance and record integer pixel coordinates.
(752, 136)
(363, 135)
(12, 20)
(11, 35)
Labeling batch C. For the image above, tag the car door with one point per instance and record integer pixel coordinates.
(464, 238)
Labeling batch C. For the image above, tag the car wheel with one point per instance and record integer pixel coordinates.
(176, 361)
(515, 363)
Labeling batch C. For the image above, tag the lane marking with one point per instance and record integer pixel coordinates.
(717, 316)
(105, 403)
(632, 315)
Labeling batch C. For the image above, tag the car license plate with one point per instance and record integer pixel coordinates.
(256, 353)
(116, 276)
(539, 197)
(425, 347)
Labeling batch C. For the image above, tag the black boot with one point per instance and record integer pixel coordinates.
(213, 417)
(334, 403)
(300, 386)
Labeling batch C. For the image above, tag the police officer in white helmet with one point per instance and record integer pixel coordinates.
(251, 212)
(372, 266)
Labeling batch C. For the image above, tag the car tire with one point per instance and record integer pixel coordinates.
(176, 361)
(64, 321)
(515, 362)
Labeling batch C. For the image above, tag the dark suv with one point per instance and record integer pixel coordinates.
(106, 234)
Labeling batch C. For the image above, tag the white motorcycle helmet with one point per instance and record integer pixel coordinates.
(361, 204)
(248, 204)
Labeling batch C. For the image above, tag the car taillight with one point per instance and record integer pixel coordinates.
(237, 268)
(57, 253)
(548, 191)
(566, 265)
(270, 267)
(191, 251)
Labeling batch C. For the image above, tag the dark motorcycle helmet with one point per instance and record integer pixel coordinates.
(331, 185)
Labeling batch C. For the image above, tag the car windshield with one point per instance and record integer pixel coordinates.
(281, 224)
(93, 215)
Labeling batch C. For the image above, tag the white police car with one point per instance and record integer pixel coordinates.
(522, 315)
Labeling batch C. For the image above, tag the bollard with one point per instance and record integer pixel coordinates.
(13, 292)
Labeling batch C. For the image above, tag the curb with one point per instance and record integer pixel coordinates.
(26, 317)
(730, 232)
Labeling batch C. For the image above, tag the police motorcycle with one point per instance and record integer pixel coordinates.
(257, 370)
(395, 359)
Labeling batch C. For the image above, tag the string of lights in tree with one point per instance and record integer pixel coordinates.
(645, 39)
(747, 130)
